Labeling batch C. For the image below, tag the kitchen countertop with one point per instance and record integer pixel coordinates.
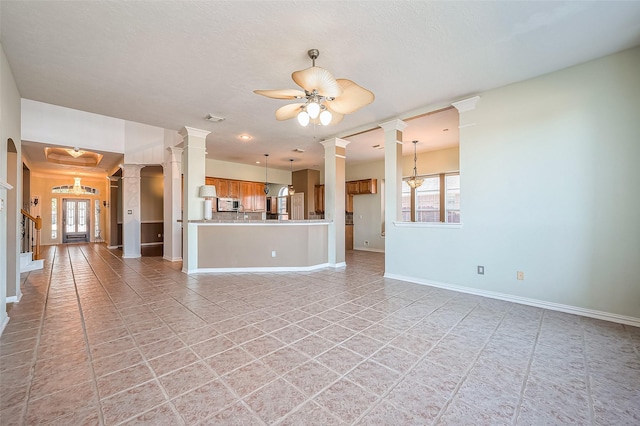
(262, 222)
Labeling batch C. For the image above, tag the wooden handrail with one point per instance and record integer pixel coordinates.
(36, 220)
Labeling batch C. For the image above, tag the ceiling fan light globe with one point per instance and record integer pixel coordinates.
(303, 118)
(325, 117)
(313, 109)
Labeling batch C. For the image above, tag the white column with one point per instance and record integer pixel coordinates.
(334, 193)
(131, 210)
(172, 169)
(392, 173)
(193, 162)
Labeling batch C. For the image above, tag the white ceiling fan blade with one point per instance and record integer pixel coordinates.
(352, 99)
(316, 78)
(288, 111)
(281, 93)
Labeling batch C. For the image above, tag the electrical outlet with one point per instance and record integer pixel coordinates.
(520, 275)
(273, 253)
(480, 270)
(366, 243)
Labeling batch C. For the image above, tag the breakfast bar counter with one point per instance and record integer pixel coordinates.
(260, 245)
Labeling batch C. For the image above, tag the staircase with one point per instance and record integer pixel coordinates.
(30, 247)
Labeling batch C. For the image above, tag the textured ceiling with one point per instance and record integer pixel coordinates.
(170, 63)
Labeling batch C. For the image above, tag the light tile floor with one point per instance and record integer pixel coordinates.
(98, 339)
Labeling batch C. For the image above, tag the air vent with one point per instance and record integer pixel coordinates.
(214, 118)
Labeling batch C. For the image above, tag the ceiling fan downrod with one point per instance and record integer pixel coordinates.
(313, 54)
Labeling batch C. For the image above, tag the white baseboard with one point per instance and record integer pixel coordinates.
(14, 299)
(172, 259)
(4, 324)
(576, 310)
(375, 250)
(264, 269)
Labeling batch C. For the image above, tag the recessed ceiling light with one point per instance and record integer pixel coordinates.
(245, 137)
(445, 130)
(376, 146)
(257, 162)
(298, 150)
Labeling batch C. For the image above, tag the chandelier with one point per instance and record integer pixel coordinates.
(291, 189)
(77, 189)
(415, 182)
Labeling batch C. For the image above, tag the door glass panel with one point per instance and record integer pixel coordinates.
(71, 216)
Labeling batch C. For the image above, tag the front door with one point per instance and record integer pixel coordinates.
(75, 220)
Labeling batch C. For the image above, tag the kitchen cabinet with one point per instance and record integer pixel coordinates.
(259, 197)
(348, 237)
(364, 186)
(348, 203)
(368, 186)
(319, 199)
(247, 196)
(352, 187)
(234, 189)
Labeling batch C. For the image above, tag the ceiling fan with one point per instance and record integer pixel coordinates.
(325, 99)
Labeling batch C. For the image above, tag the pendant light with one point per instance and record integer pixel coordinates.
(266, 181)
(414, 182)
(291, 190)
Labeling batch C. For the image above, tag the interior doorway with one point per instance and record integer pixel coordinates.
(76, 214)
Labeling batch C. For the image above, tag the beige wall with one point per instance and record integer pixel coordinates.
(250, 246)
(41, 185)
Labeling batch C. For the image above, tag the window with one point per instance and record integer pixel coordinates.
(96, 221)
(436, 200)
(406, 202)
(452, 185)
(428, 200)
(54, 218)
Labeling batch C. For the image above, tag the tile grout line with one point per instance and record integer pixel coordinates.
(34, 360)
(592, 416)
(86, 340)
(516, 414)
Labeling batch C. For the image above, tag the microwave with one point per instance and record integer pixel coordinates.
(228, 205)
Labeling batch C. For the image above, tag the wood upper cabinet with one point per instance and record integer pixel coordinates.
(259, 197)
(246, 196)
(222, 186)
(364, 186)
(234, 189)
(368, 186)
(348, 203)
(352, 187)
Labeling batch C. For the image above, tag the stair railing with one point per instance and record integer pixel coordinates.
(31, 227)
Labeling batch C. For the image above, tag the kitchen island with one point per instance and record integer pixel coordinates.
(259, 245)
